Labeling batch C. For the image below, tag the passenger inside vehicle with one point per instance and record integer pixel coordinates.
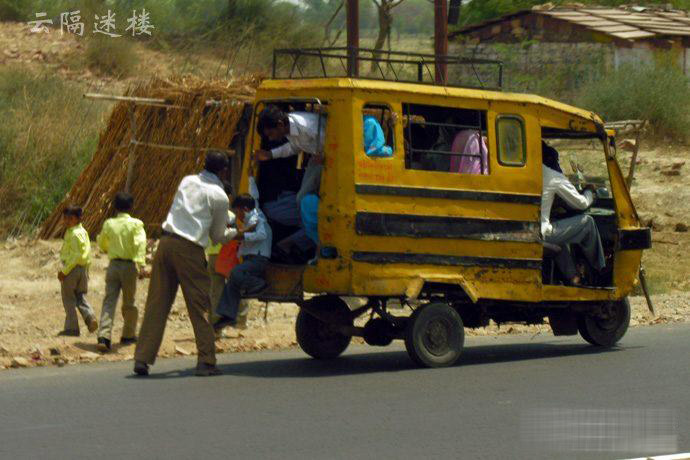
(445, 139)
(475, 155)
(286, 132)
(579, 230)
(374, 139)
(290, 201)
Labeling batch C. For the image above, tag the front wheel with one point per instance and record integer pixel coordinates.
(435, 335)
(317, 338)
(606, 327)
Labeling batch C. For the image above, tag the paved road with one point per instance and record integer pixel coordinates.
(512, 397)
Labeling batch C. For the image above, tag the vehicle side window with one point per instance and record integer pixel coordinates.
(378, 127)
(510, 132)
(445, 139)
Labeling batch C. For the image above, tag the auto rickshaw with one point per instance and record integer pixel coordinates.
(453, 249)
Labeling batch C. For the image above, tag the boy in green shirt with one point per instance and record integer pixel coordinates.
(123, 238)
(217, 280)
(212, 252)
(74, 276)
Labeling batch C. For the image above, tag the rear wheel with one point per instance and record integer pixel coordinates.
(606, 327)
(317, 338)
(434, 335)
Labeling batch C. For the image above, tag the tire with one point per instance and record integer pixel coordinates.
(319, 339)
(606, 331)
(435, 335)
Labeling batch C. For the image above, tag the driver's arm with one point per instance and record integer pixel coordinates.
(574, 199)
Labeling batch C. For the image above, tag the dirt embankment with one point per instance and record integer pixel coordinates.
(65, 56)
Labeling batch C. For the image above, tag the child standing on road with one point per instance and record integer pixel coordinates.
(74, 276)
(123, 238)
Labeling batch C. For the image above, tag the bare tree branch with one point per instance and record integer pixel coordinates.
(327, 28)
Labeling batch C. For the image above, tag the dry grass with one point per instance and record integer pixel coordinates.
(47, 131)
(157, 171)
(109, 56)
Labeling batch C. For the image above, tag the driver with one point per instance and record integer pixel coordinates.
(579, 229)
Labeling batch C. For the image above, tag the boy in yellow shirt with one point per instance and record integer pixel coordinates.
(212, 252)
(123, 238)
(217, 280)
(74, 276)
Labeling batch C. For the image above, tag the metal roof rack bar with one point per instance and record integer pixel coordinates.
(385, 65)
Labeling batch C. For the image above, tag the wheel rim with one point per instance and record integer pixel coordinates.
(436, 337)
(610, 318)
(325, 332)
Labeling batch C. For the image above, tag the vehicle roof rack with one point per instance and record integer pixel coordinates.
(398, 66)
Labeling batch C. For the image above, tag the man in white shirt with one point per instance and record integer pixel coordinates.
(301, 129)
(580, 229)
(247, 278)
(198, 215)
(305, 132)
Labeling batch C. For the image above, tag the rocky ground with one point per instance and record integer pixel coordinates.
(31, 314)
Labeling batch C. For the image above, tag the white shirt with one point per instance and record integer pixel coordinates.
(555, 183)
(304, 127)
(260, 240)
(199, 212)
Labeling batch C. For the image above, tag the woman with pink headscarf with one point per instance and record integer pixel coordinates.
(474, 158)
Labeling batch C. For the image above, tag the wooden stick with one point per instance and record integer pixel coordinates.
(643, 283)
(665, 242)
(633, 159)
(137, 100)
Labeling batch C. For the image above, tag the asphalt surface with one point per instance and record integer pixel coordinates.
(511, 397)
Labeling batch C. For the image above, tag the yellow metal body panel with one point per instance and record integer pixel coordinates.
(346, 167)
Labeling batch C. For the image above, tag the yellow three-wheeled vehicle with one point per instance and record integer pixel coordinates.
(452, 233)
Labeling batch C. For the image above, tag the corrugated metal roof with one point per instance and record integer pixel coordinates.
(628, 23)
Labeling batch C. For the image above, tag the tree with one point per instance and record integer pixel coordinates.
(329, 24)
(384, 9)
(454, 11)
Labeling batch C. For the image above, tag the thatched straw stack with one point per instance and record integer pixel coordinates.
(157, 171)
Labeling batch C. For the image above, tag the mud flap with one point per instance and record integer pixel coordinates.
(563, 322)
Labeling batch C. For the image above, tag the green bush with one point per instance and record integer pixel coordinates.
(111, 56)
(659, 93)
(48, 133)
(12, 10)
